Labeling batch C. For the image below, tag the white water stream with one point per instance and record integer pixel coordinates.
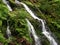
(32, 31)
(10, 9)
(8, 32)
(7, 3)
(44, 30)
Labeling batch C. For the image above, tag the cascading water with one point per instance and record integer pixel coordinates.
(7, 3)
(17, 2)
(32, 31)
(8, 32)
(44, 30)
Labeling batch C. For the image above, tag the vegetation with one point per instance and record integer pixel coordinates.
(49, 10)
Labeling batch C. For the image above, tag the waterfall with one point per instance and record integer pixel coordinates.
(44, 30)
(7, 3)
(10, 9)
(32, 31)
(17, 2)
(8, 32)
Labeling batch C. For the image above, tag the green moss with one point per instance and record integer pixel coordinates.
(0, 22)
(2, 39)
